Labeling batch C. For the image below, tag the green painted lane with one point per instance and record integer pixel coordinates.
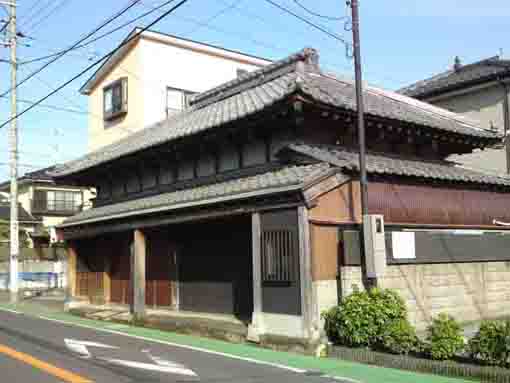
(332, 367)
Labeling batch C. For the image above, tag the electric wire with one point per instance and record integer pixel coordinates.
(33, 26)
(97, 62)
(306, 21)
(311, 12)
(108, 21)
(228, 8)
(100, 37)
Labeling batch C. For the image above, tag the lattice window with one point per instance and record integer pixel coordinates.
(278, 256)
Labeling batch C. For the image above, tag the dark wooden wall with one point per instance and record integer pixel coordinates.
(215, 267)
(437, 205)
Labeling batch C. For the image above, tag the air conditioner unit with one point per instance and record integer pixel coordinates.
(375, 245)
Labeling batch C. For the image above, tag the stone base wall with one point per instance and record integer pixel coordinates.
(467, 291)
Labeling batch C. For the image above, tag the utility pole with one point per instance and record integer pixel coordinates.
(13, 148)
(361, 130)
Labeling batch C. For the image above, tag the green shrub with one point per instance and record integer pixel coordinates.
(399, 337)
(360, 318)
(491, 344)
(444, 338)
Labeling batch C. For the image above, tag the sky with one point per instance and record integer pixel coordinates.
(402, 41)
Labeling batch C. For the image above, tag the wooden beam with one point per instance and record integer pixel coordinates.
(256, 327)
(72, 261)
(138, 274)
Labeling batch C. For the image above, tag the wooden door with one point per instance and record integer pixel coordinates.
(121, 286)
(158, 268)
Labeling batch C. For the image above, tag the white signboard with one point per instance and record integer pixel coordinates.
(403, 244)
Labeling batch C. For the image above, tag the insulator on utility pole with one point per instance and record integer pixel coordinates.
(13, 151)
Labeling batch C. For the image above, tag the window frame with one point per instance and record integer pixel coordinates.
(122, 84)
(278, 253)
(60, 200)
(185, 99)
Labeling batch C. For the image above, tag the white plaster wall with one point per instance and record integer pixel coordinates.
(484, 105)
(167, 65)
(325, 297)
(24, 196)
(283, 325)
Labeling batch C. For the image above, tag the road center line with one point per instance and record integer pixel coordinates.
(60, 373)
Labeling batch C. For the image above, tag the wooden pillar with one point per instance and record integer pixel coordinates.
(256, 326)
(72, 260)
(107, 278)
(305, 271)
(138, 275)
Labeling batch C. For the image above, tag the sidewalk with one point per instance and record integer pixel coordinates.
(51, 308)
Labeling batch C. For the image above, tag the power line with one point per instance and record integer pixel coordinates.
(52, 107)
(108, 21)
(6, 23)
(4, 9)
(228, 8)
(54, 10)
(331, 18)
(310, 23)
(220, 30)
(99, 61)
(37, 7)
(106, 34)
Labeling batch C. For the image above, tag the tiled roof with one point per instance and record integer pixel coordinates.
(41, 175)
(385, 164)
(284, 179)
(257, 91)
(466, 75)
(23, 215)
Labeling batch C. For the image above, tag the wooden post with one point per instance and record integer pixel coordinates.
(138, 275)
(305, 270)
(72, 260)
(107, 279)
(256, 327)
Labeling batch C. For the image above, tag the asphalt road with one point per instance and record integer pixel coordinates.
(36, 350)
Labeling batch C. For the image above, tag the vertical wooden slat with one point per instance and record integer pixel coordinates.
(287, 256)
(282, 255)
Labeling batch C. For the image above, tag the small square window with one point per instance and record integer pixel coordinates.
(278, 255)
(115, 99)
(177, 100)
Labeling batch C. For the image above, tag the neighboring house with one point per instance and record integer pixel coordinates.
(46, 203)
(152, 77)
(478, 91)
(248, 204)
(26, 222)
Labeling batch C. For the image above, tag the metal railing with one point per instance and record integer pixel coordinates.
(55, 206)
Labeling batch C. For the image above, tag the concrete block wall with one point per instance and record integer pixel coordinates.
(467, 291)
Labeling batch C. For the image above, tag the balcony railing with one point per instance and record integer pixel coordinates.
(57, 207)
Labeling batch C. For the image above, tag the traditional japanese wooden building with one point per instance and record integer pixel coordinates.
(247, 203)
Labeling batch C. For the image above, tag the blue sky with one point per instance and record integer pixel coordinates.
(402, 41)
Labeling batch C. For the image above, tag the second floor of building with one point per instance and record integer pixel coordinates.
(152, 77)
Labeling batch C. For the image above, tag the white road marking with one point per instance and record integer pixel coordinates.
(218, 353)
(170, 368)
(11, 311)
(91, 344)
(80, 346)
(342, 378)
(245, 359)
(161, 365)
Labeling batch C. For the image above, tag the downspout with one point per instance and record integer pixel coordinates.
(506, 123)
